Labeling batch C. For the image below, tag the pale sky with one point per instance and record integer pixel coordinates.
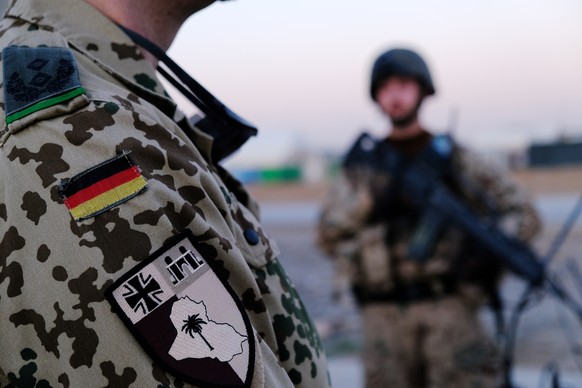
(512, 69)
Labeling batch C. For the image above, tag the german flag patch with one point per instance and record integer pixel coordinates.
(102, 187)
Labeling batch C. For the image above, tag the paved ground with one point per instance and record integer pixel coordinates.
(548, 332)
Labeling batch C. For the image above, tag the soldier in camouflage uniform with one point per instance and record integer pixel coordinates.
(127, 256)
(420, 319)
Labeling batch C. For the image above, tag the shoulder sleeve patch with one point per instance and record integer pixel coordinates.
(102, 187)
(36, 79)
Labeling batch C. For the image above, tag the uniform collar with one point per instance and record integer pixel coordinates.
(94, 35)
(90, 32)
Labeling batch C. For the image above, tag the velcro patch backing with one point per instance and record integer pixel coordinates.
(102, 187)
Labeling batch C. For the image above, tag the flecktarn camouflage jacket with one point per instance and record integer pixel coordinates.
(372, 253)
(127, 258)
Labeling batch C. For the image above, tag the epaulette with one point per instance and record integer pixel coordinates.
(37, 79)
(443, 144)
(362, 152)
(438, 154)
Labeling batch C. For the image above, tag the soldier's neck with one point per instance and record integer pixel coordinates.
(151, 19)
(406, 132)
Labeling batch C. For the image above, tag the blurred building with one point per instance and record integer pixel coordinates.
(277, 158)
(285, 157)
(564, 152)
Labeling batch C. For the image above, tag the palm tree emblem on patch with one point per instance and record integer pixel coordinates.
(193, 324)
(189, 319)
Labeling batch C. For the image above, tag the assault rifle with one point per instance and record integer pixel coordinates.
(419, 181)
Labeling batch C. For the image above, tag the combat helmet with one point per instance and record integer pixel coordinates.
(402, 62)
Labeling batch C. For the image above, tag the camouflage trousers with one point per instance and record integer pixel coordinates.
(428, 344)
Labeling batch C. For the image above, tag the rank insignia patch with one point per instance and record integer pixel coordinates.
(186, 317)
(37, 78)
(102, 187)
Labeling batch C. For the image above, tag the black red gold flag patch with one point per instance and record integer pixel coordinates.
(102, 187)
(186, 317)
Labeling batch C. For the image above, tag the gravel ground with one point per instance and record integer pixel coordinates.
(547, 332)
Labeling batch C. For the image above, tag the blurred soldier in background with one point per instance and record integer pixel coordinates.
(420, 318)
(128, 256)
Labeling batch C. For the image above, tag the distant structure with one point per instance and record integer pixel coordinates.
(282, 157)
(564, 152)
(286, 157)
